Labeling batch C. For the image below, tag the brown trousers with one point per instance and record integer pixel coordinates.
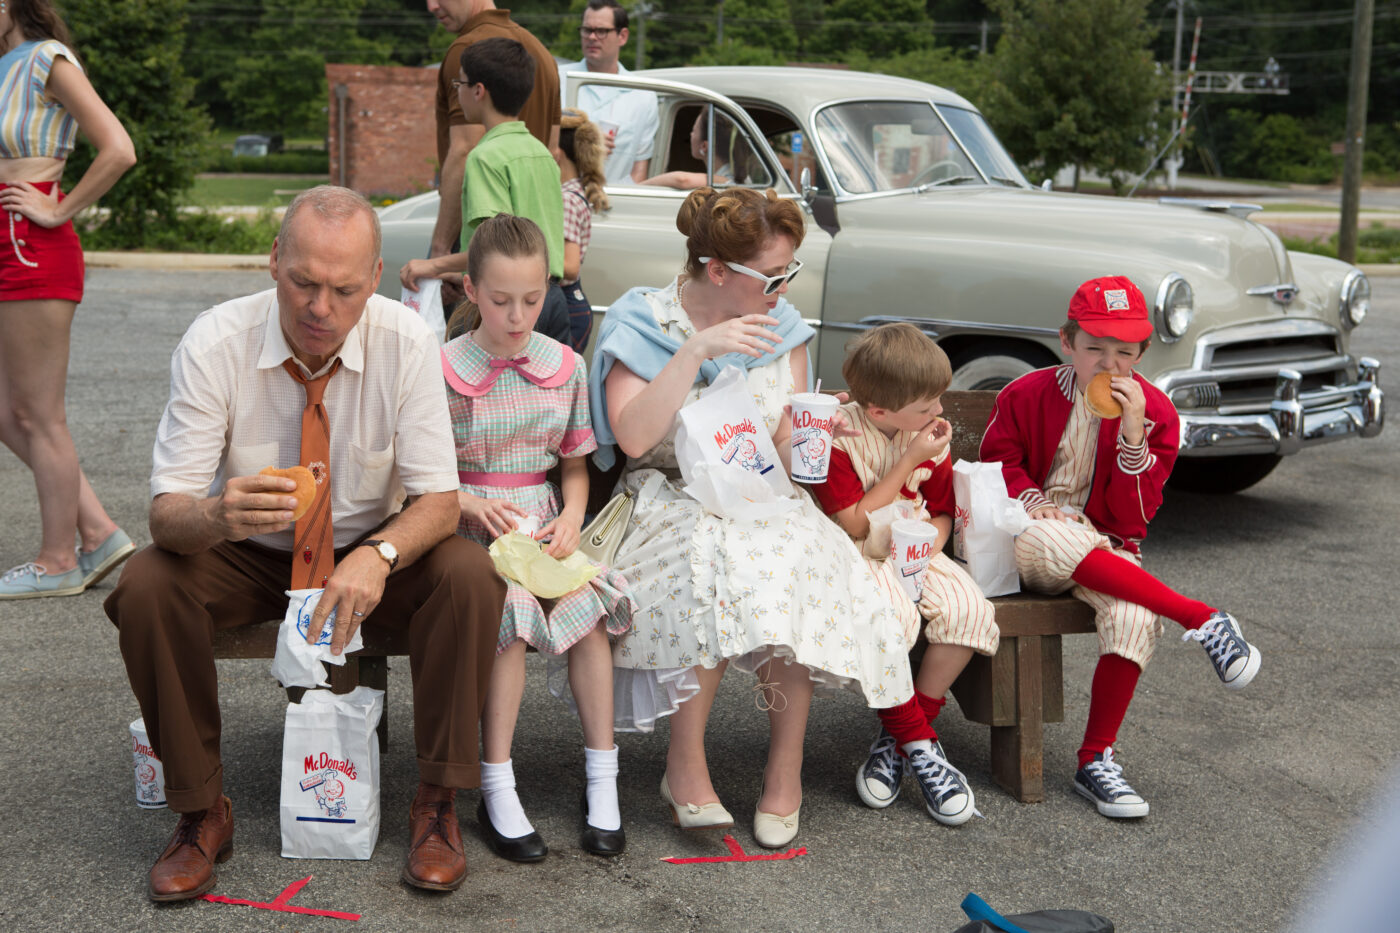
(168, 606)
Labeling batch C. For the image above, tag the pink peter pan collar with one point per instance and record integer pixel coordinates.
(472, 371)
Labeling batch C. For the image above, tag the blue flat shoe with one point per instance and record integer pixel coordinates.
(31, 581)
(105, 558)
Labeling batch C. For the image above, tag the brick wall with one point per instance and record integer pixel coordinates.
(390, 139)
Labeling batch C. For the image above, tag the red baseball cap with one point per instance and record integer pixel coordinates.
(1111, 307)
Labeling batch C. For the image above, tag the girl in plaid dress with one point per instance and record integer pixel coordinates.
(519, 404)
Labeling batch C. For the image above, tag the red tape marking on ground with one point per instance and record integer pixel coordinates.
(280, 903)
(736, 854)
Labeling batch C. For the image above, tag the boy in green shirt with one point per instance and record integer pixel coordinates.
(507, 172)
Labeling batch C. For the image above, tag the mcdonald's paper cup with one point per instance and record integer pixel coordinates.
(812, 414)
(150, 776)
(911, 548)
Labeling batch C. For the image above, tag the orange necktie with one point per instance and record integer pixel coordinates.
(313, 554)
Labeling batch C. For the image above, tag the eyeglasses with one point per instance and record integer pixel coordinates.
(589, 32)
(458, 84)
(771, 283)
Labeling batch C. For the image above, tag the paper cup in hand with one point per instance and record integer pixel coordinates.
(150, 776)
(812, 415)
(607, 128)
(911, 549)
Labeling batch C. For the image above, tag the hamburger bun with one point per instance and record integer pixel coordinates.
(1099, 397)
(306, 486)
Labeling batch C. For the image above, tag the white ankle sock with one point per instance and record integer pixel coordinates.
(908, 747)
(600, 768)
(502, 803)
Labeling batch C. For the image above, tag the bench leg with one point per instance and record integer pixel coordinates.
(374, 672)
(1017, 750)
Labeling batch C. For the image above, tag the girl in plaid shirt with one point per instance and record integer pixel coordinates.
(519, 404)
(580, 156)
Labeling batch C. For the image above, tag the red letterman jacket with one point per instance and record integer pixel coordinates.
(1025, 428)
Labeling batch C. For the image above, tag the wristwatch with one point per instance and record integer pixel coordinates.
(385, 550)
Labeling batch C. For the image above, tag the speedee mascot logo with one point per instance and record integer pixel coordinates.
(326, 778)
(736, 446)
(811, 440)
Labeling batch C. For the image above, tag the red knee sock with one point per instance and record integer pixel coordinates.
(1115, 679)
(1106, 572)
(906, 723)
(911, 720)
(932, 706)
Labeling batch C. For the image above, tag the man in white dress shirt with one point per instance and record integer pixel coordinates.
(628, 118)
(241, 388)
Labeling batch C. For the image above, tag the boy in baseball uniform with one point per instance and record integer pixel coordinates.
(1091, 485)
(896, 375)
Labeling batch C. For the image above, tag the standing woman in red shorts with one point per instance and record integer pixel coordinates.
(45, 98)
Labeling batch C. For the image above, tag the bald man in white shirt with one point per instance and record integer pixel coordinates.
(223, 553)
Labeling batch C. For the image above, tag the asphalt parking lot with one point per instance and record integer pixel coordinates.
(1252, 794)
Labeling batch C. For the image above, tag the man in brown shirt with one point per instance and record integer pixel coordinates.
(474, 20)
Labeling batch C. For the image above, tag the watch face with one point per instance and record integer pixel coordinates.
(388, 550)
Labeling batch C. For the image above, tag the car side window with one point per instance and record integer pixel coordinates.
(794, 151)
(735, 158)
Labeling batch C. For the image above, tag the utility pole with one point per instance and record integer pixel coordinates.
(1357, 90)
(719, 26)
(1174, 160)
(640, 12)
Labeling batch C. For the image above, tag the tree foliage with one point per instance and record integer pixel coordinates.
(876, 28)
(131, 52)
(281, 84)
(1074, 83)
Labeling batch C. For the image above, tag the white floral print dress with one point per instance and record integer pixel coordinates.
(710, 588)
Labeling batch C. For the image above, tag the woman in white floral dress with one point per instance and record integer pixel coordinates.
(789, 597)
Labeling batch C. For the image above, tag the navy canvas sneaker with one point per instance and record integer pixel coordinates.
(947, 797)
(877, 781)
(1236, 660)
(1101, 781)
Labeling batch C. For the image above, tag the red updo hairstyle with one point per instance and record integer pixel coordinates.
(735, 224)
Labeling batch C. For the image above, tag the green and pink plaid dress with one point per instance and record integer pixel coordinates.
(512, 420)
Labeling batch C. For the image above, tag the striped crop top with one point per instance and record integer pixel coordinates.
(31, 122)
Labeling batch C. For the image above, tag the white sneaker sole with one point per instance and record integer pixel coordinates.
(1251, 668)
(956, 819)
(1116, 811)
(867, 797)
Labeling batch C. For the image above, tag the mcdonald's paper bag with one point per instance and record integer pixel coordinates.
(330, 775)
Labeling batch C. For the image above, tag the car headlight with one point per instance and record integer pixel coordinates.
(1174, 308)
(1356, 298)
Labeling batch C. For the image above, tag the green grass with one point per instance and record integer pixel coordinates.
(1301, 209)
(1377, 244)
(246, 191)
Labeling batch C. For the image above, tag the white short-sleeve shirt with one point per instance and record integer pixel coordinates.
(233, 410)
(634, 111)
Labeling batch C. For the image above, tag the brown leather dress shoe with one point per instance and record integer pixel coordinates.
(185, 869)
(435, 858)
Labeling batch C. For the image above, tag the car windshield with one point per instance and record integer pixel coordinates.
(876, 146)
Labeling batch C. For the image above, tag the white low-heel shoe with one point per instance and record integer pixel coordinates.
(772, 831)
(696, 816)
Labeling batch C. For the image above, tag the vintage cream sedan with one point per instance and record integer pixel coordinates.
(916, 213)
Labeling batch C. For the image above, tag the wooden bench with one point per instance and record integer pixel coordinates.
(369, 667)
(1021, 687)
(1014, 692)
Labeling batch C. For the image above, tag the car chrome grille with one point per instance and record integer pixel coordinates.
(1245, 372)
(1280, 351)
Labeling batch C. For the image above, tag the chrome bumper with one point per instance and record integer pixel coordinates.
(1295, 419)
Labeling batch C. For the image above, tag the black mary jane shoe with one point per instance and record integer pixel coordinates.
(606, 842)
(527, 848)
